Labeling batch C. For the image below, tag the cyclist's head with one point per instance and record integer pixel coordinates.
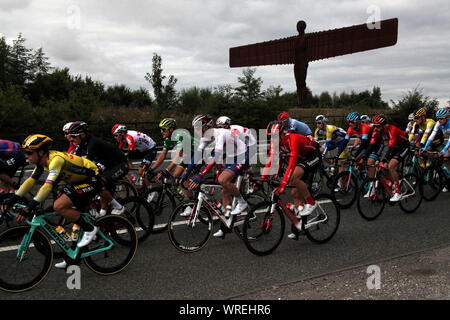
(365, 118)
(420, 115)
(353, 118)
(66, 127)
(35, 143)
(203, 122)
(118, 129)
(283, 116)
(276, 127)
(411, 117)
(321, 119)
(77, 128)
(378, 121)
(167, 123)
(442, 114)
(223, 122)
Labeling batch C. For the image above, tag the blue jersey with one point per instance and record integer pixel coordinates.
(8, 149)
(445, 128)
(298, 127)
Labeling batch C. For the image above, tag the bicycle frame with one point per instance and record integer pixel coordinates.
(40, 222)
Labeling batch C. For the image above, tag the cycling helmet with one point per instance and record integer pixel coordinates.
(353, 116)
(118, 128)
(37, 142)
(77, 128)
(411, 117)
(223, 120)
(379, 119)
(66, 127)
(202, 120)
(365, 117)
(283, 116)
(420, 113)
(168, 123)
(442, 113)
(275, 126)
(321, 118)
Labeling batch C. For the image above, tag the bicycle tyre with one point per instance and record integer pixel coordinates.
(185, 236)
(11, 269)
(412, 177)
(124, 189)
(141, 215)
(259, 234)
(252, 200)
(332, 215)
(163, 204)
(433, 181)
(352, 190)
(122, 233)
(364, 204)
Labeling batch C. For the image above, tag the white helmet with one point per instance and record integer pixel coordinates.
(66, 127)
(411, 117)
(223, 120)
(321, 118)
(365, 117)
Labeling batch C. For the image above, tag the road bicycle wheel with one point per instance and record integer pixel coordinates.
(186, 233)
(163, 204)
(412, 190)
(371, 200)
(324, 220)
(16, 274)
(252, 200)
(123, 235)
(345, 189)
(433, 181)
(141, 215)
(124, 189)
(263, 230)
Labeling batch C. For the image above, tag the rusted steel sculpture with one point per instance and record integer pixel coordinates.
(303, 48)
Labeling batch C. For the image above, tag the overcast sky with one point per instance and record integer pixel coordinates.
(113, 41)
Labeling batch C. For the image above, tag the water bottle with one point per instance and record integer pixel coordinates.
(178, 193)
(63, 233)
(75, 232)
(332, 171)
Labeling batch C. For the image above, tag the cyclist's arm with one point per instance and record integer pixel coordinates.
(55, 168)
(294, 152)
(426, 133)
(29, 183)
(159, 161)
(436, 128)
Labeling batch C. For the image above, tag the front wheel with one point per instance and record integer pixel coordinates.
(263, 230)
(190, 227)
(19, 274)
(163, 204)
(345, 189)
(411, 188)
(323, 222)
(140, 214)
(371, 200)
(123, 236)
(433, 181)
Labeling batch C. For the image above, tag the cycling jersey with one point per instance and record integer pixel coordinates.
(363, 131)
(135, 140)
(61, 167)
(437, 135)
(226, 141)
(11, 157)
(294, 148)
(331, 133)
(422, 130)
(100, 151)
(177, 139)
(8, 149)
(397, 141)
(295, 126)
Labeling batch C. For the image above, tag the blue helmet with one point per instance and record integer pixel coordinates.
(442, 113)
(353, 116)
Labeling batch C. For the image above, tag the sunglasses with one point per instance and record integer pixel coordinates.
(416, 118)
(73, 135)
(351, 122)
(28, 152)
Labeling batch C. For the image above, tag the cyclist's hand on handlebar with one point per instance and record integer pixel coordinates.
(279, 190)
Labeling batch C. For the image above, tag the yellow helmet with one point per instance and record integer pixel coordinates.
(420, 113)
(168, 123)
(37, 142)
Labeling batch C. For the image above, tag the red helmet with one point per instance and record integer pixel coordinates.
(118, 128)
(379, 119)
(275, 126)
(283, 116)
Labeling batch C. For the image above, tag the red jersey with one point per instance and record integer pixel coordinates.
(363, 131)
(293, 146)
(390, 133)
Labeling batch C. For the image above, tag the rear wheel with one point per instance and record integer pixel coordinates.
(371, 200)
(345, 189)
(433, 181)
(411, 189)
(324, 221)
(163, 204)
(140, 214)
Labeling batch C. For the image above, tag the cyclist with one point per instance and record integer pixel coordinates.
(410, 123)
(78, 173)
(236, 161)
(294, 126)
(421, 128)
(299, 158)
(110, 160)
(135, 145)
(436, 138)
(65, 129)
(11, 159)
(365, 119)
(362, 132)
(397, 149)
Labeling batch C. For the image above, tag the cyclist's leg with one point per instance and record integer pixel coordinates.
(110, 177)
(225, 179)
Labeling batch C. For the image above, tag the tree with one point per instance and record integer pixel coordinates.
(165, 94)
(250, 89)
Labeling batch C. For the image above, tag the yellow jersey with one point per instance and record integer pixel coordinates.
(422, 130)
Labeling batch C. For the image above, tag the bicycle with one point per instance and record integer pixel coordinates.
(346, 183)
(191, 233)
(374, 193)
(26, 252)
(433, 176)
(264, 225)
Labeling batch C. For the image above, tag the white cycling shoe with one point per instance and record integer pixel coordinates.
(187, 212)
(118, 211)
(87, 237)
(308, 209)
(239, 208)
(396, 197)
(218, 234)
(61, 265)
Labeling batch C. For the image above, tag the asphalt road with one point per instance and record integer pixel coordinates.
(225, 268)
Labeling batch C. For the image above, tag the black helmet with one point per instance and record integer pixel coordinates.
(78, 127)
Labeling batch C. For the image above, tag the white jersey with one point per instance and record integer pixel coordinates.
(243, 133)
(139, 141)
(225, 142)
